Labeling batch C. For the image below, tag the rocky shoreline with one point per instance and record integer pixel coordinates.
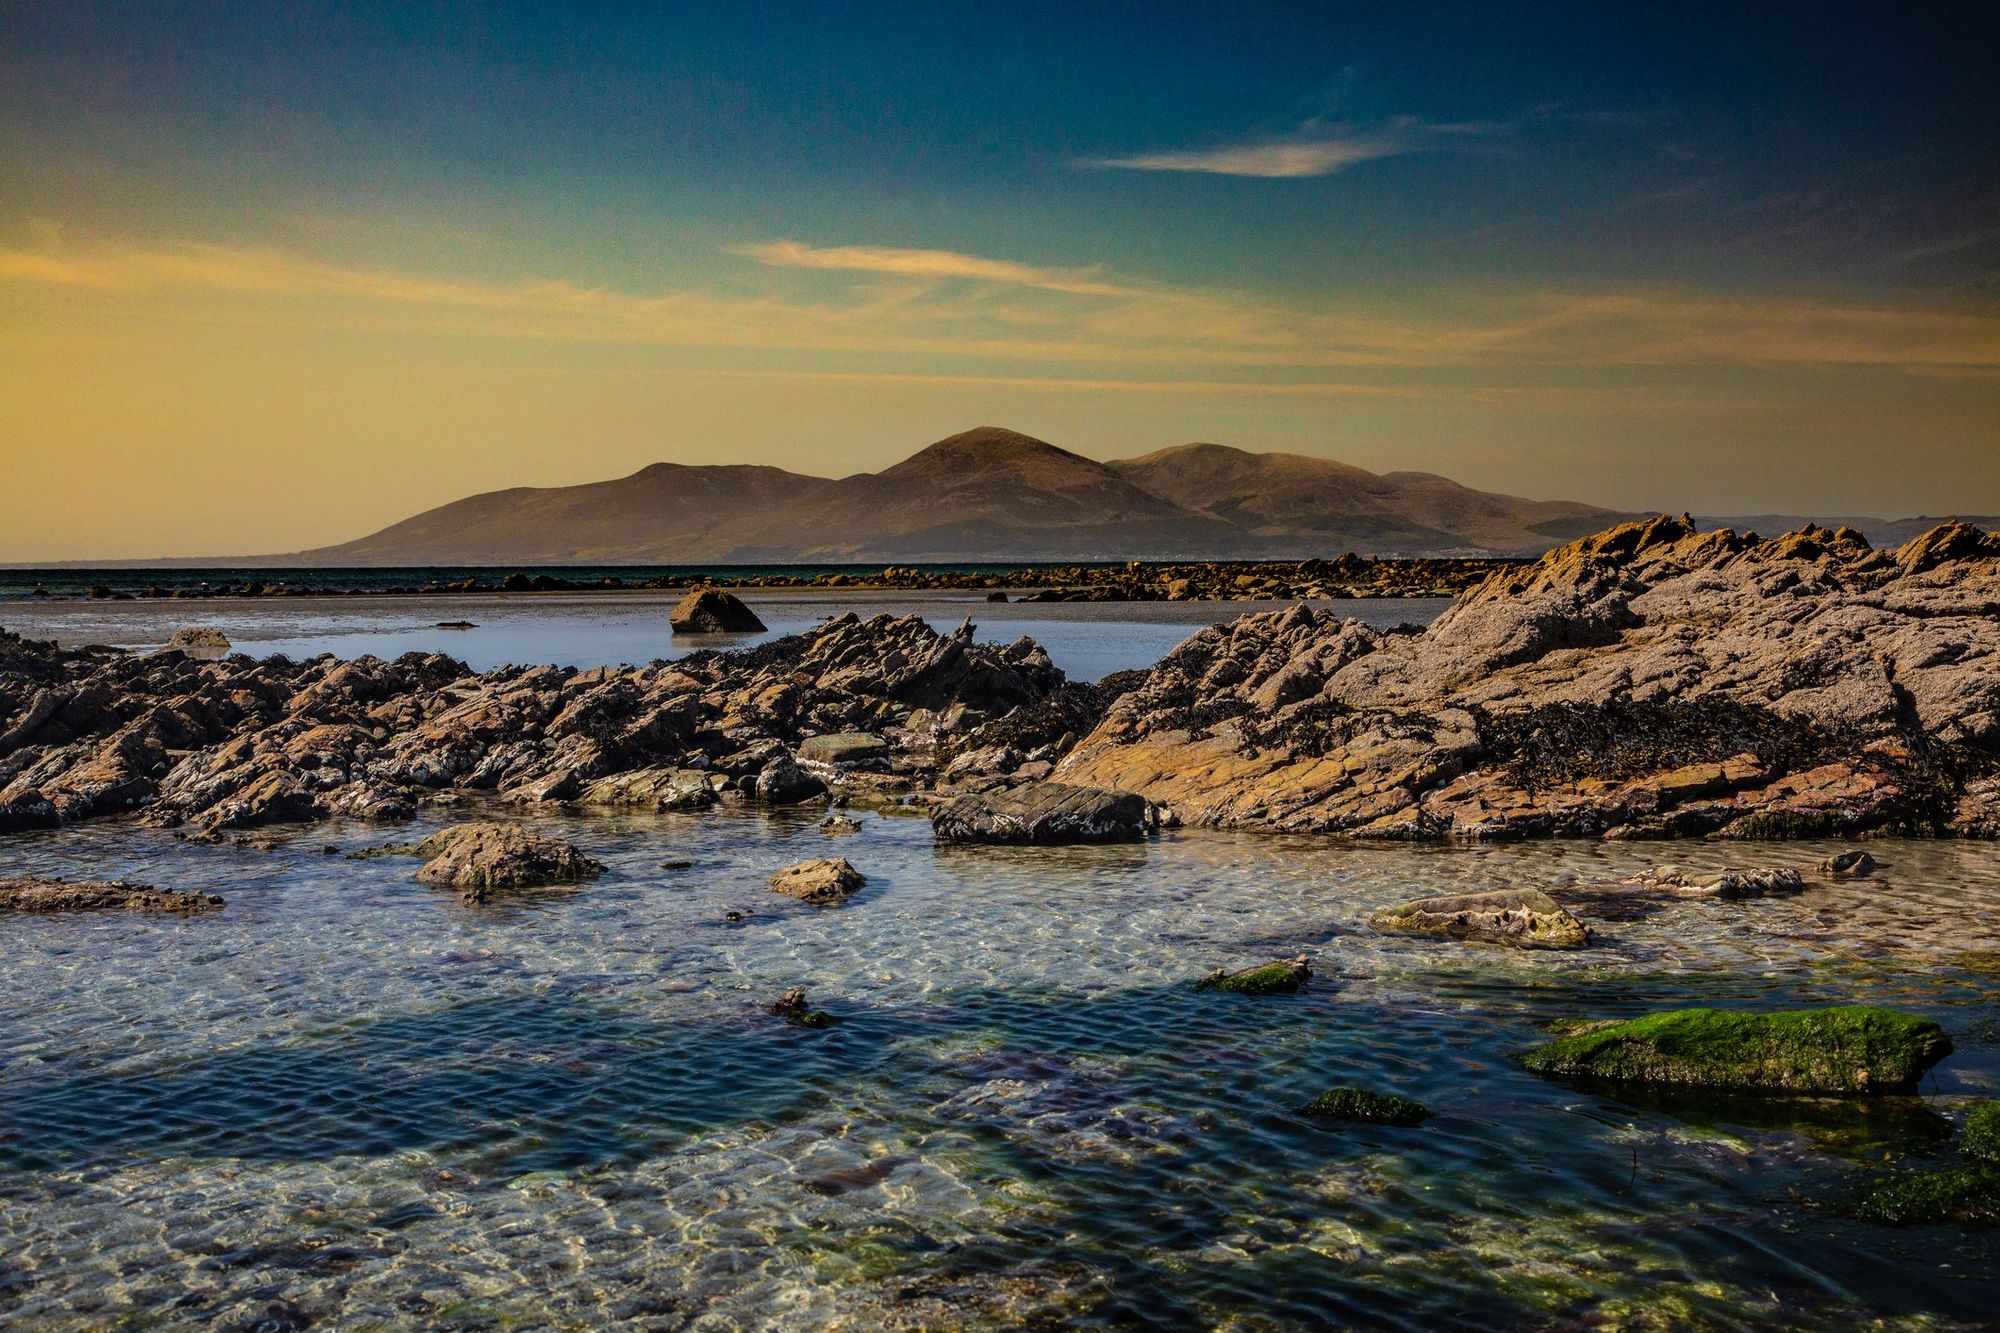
(1651, 681)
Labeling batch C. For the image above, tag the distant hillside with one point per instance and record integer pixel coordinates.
(987, 494)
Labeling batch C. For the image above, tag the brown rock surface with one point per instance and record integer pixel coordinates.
(33, 894)
(478, 859)
(1649, 681)
(825, 881)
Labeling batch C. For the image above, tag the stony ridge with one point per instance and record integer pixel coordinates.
(1651, 680)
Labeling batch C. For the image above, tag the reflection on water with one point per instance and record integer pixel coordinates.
(350, 1096)
(1087, 640)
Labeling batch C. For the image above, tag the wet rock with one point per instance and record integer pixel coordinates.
(838, 826)
(1042, 812)
(652, 789)
(1285, 978)
(712, 611)
(199, 641)
(783, 782)
(1526, 918)
(479, 859)
(844, 747)
(1359, 1106)
(1981, 1136)
(1848, 865)
(825, 881)
(1965, 1194)
(34, 894)
(1720, 883)
(792, 1007)
(1839, 1051)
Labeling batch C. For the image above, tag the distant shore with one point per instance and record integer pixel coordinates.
(1348, 576)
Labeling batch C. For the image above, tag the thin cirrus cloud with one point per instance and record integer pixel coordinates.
(994, 316)
(1313, 150)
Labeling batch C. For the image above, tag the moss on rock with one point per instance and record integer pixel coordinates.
(1981, 1135)
(1367, 1108)
(1969, 1193)
(1283, 978)
(1839, 1051)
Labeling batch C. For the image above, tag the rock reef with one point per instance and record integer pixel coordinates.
(1650, 681)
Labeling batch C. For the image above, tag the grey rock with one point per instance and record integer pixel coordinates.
(1042, 812)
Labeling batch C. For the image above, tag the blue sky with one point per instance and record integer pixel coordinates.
(1721, 258)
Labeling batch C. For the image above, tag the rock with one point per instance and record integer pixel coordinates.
(1720, 883)
(838, 826)
(481, 858)
(1848, 865)
(792, 1007)
(1831, 1052)
(652, 789)
(1042, 812)
(34, 894)
(199, 641)
(1525, 917)
(842, 747)
(1360, 1106)
(1286, 978)
(1969, 1193)
(1981, 1136)
(826, 881)
(783, 782)
(712, 611)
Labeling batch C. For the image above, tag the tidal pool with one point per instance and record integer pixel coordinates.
(349, 1099)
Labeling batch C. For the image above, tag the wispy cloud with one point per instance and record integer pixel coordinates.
(1035, 323)
(1315, 149)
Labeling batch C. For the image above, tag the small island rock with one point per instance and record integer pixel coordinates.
(1042, 812)
(712, 611)
(825, 881)
(1525, 917)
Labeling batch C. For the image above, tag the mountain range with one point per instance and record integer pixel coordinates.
(986, 494)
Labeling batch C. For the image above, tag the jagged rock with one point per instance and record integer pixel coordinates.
(479, 859)
(34, 894)
(652, 789)
(792, 1007)
(199, 641)
(838, 826)
(783, 782)
(826, 881)
(1649, 681)
(1286, 978)
(1848, 865)
(844, 747)
(1359, 1106)
(712, 611)
(1838, 1051)
(1720, 883)
(1524, 917)
(1042, 812)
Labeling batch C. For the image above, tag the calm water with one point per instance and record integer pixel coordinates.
(1087, 640)
(348, 1098)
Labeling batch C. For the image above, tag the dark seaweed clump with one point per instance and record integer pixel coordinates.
(1071, 710)
(1557, 744)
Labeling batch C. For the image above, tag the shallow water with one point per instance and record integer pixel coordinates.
(1087, 640)
(348, 1097)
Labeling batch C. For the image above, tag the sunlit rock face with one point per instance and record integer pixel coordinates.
(1651, 680)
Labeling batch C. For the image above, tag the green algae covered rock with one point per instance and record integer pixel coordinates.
(1367, 1108)
(1981, 1136)
(1968, 1193)
(1284, 978)
(1854, 1049)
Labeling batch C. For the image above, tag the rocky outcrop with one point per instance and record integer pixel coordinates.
(1824, 1052)
(59, 895)
(1527, 918)
(482, 859)
(225, 745)
(825, 881)
(199, 641)
(1651, 681)
(712, 611)
(1042, 812)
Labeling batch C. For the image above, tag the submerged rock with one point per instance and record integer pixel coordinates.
(1720, 883)
(1525, 917)
(1286, 978)
(712, 611)
(35, 894)
(1848, 865)
(1042, 812)
(480, 858)
(1981, 1136)
(1855, 1049)
(1360, 1106)
(1968, 1193)
(825, 881)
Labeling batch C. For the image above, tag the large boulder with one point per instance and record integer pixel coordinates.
(783, 782)
(1042, 812)
(713, 611)
(34, 894)
(1525, 917)
(1840, 1051)
(478, 859)
(825, 881)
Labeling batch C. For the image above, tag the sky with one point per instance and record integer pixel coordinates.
(274, 275)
